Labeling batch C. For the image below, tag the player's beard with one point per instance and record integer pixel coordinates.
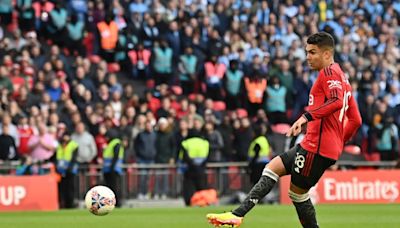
(311, 66)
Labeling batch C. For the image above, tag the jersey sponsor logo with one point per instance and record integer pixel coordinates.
(332, 84)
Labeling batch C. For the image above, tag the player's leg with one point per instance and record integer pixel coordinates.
(304, 207)
(306, 171)
(269, 177)
(271, 173)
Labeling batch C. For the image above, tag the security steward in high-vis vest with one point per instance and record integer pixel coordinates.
(113, 156)
(194, 152)
(259, 153)
(255, 87)
(108, 37)
(67, 167)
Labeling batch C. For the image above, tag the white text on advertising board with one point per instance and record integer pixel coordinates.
(360, 190)
(12, 195)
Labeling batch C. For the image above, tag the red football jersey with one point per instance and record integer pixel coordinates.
(332, 113)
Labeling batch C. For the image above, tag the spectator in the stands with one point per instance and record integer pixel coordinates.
(233, 85)
(216, 141)
(87, 150)
(187, 68)
(276, 105)
(243, 134)
(12, 129)
(42, 146)
(162, 58)
(166, 154)
(145, 148)
(8, 149)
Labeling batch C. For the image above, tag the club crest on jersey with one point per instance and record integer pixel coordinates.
(334, 84)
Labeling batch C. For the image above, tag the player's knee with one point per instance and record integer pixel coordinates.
(271, 174)
(277, 166)
(298, 198)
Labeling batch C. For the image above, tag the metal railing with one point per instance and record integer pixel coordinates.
(227, 178)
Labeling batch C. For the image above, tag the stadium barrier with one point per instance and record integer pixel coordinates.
(227, 178)
(28, 193)
(354, 186)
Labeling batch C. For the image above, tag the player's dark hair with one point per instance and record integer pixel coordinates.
(322, 40)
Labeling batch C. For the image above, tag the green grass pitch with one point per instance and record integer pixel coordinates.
(342, 216)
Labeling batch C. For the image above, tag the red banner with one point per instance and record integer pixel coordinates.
(368, 186)
(22, 193)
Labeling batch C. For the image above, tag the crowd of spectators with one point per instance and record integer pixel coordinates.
(77, 66)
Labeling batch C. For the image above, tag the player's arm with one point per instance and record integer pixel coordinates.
(333, 90)
(353, 120)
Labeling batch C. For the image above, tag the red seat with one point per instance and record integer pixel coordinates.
(280, 128)
(241, 113)
(177, 90)
(192, 96)
(113, 67)
(94, 59)
(150, 84)
(219, 106)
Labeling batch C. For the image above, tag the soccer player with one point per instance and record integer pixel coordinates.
(332, 119)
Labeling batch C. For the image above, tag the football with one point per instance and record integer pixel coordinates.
(100, 200)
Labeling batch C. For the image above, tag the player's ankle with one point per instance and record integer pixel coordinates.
(237, 214)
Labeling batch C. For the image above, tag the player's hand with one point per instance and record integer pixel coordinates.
(295, 129)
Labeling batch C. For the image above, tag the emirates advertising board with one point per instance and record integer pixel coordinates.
(355, 187)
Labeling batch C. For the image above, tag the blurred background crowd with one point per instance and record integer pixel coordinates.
(152, 70)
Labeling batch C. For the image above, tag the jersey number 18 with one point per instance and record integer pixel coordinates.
(345, 105)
